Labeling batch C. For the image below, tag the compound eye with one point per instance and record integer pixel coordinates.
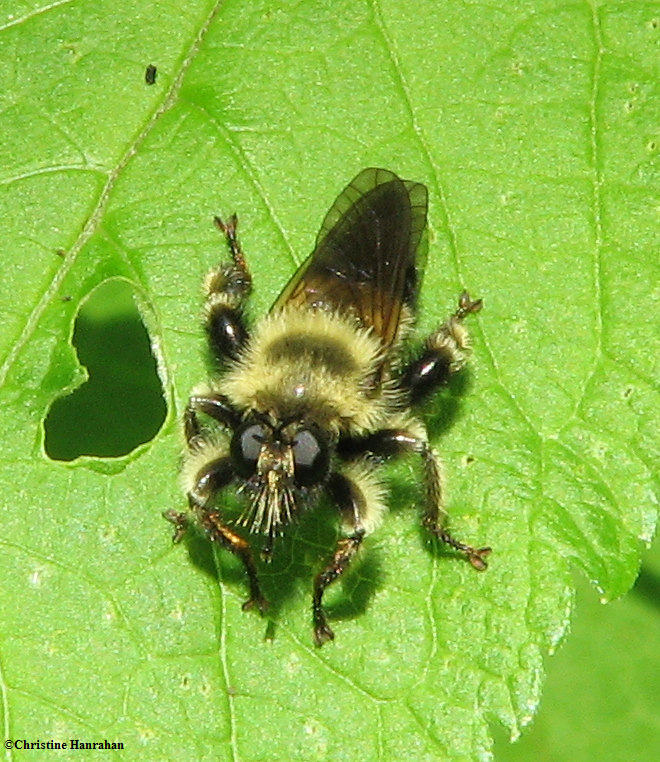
(311, 457)
(246, 446)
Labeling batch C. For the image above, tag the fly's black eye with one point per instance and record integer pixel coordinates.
(245, 447)
(311, 456)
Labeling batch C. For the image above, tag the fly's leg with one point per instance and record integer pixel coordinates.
(181, 523)
(219, 532)
(391, 442)
(446, 352)
(211, 478)
(435, 515)
(352, 502)
(216, 406)
(227, 288)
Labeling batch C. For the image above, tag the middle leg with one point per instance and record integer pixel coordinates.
(390, 442)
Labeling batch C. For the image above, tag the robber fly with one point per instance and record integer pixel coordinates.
(317, 394)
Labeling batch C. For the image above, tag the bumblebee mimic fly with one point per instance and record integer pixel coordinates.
(317, 393)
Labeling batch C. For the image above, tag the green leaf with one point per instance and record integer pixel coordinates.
(601, 697)
(532, 128)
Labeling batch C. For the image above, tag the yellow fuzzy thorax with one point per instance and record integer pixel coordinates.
(312, 364)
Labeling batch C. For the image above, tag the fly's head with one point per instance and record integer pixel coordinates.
(280, 462)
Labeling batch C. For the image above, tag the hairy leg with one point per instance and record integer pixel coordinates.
(216, 406)
(203, 485)
(352, 501)
(445, 353)
(227, 288)
(390, 442)
(219, 532)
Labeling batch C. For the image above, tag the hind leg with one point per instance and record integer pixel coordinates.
(227, 288)
(358, 496)
(412, 438)
(446, 352)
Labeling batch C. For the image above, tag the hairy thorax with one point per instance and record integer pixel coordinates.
(312, 364)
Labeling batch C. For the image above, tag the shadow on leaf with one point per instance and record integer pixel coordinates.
(299, 555)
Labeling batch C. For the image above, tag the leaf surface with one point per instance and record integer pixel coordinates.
(531, 127)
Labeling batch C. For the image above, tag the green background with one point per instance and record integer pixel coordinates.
(532, 127)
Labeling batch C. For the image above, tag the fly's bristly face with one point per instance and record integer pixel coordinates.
(279, 464)
(316, 394)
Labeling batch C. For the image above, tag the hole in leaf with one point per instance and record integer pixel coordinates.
(121, 405)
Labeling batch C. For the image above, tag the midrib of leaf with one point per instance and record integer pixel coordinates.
(38, 12)
(597, 180)
(452, 238)
(96, 216)
(398, 75)
(453, 246)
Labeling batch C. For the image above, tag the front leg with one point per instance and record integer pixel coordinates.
(391, 442)
(227, 289)
(359, 499)
(215, 405)
(204, 478)
(446, 352)
(220, 532)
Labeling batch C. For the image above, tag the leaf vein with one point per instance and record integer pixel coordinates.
(4, 693)
(48, 171)
(403, 85)
(451, 233)
(357, 688)
(32, 14)
(225, 667)
(250, 173)
(597, 181)
(94, 219)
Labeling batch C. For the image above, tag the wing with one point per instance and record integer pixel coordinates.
(364, 262)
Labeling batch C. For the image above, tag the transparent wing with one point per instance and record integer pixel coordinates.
(364, 262)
